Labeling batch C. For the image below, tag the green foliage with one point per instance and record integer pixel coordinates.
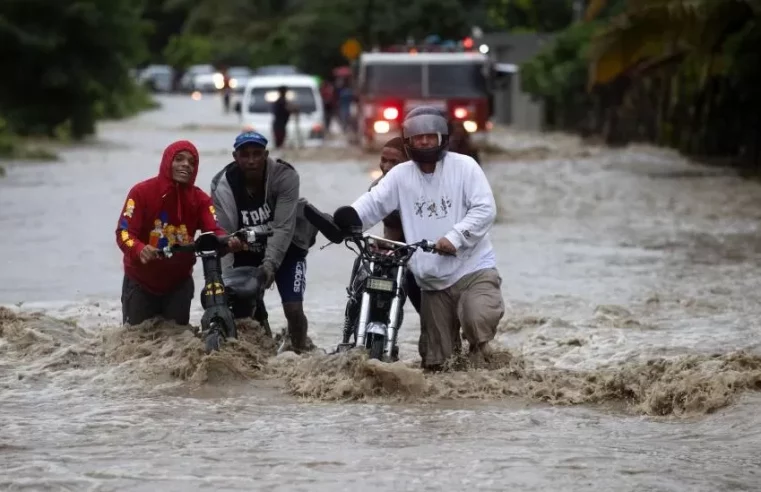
(184, 50)
(162, 20)
(133, 99)
(530, 15)
(558, 75)
(310, 34)
(683, 73)
(67, 57)
(7, 139)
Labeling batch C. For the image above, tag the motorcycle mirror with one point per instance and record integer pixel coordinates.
(323, 223)
(347, 219)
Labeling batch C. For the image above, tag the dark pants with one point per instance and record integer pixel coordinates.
(413, 291)
(328, 109)
(244, 308)
(139, 305)
(278, 131)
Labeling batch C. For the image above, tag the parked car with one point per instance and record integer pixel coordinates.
(159, 78)
(198, 78)
(209, 82)
(239, 78)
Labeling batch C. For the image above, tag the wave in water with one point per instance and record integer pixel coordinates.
(161, 356)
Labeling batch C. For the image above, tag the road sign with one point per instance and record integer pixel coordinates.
(351, 49)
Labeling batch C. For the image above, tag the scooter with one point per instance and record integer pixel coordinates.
(223, 293)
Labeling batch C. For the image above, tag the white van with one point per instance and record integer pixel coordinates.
(305, 128)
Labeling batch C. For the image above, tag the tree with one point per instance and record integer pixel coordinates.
(67, 58)
(184, 50)
(654, 30)
(530, 15)
(558, 76)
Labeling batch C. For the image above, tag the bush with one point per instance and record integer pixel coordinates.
(558, 76)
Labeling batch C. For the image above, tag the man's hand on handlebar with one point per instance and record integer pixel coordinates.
(149, 253)
(235, 245)
(444, 247)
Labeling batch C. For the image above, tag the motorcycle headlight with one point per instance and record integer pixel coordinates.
(374, 284)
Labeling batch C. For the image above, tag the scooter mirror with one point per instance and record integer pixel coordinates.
(207, 242)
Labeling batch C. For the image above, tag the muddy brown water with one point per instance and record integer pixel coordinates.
(628, 356)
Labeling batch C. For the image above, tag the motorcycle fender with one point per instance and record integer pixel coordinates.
(376, 328)
(223, 314)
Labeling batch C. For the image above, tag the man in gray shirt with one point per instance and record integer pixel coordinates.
(254, 190)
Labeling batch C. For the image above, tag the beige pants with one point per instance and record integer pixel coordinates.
(473, 303)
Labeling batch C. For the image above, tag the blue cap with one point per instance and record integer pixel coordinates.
(250, 138)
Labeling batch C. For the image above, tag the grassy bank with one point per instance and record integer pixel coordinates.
(41, 148)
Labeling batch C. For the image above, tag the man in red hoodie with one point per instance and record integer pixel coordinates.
(161, 211)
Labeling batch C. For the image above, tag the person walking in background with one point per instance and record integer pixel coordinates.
(328, 93)
(281, 113)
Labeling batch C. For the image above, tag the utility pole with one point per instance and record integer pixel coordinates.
(367, 25)
(578, 10)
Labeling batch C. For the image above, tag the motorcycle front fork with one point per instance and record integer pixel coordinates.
(393, 317)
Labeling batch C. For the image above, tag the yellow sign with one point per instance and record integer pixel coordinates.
(351, 49)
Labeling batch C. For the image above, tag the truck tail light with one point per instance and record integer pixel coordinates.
(390, 113)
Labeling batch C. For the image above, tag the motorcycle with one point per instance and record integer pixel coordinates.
(376, 289)
(224, 297)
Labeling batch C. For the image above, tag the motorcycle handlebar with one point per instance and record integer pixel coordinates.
(425, 245)
(326, 224)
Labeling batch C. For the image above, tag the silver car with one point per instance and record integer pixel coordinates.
(189, 82)
(159, 78)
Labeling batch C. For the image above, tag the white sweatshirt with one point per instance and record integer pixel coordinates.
(455, 202)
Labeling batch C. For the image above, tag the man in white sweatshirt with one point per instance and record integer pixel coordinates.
(443, 197)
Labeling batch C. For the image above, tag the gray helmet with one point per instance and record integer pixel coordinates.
(425, 120)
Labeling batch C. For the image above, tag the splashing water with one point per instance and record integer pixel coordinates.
(628, 358)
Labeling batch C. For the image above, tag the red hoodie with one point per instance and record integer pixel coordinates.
(161, 212)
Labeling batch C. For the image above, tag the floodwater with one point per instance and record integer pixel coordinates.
(628, 355)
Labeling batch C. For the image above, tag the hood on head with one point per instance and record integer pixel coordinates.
(165, 171)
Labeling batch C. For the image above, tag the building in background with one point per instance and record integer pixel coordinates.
(512, 106)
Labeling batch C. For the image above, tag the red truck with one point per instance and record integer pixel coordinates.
(390, 84)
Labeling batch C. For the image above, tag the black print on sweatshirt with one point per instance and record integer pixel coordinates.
(427, 208)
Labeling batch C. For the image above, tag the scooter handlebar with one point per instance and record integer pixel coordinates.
(252, 234)
(203, 243)
(168, 251)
